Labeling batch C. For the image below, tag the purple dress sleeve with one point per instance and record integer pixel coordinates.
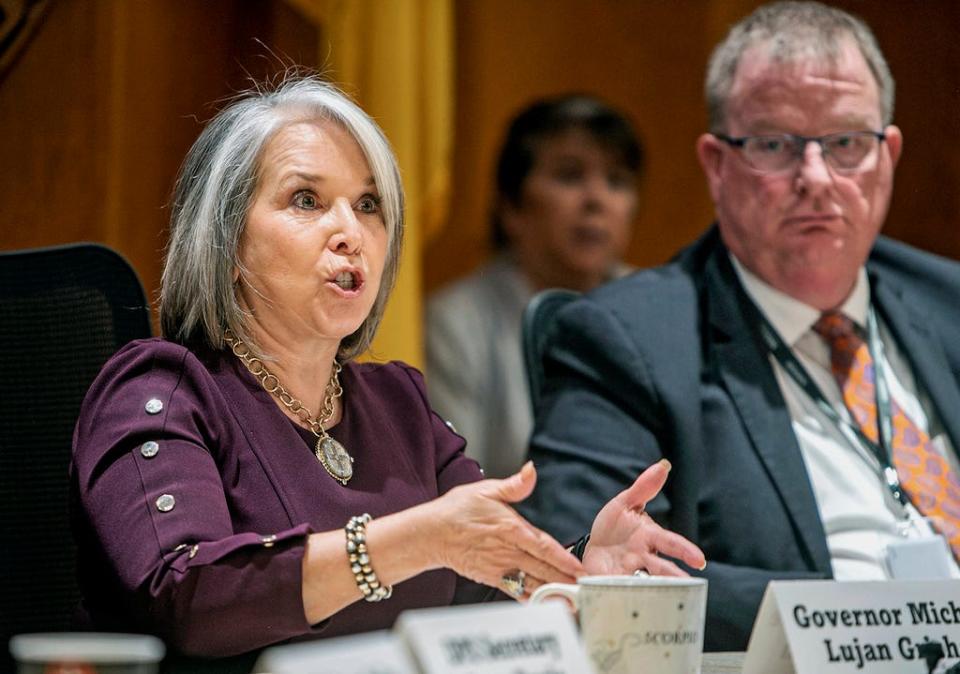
(194, 495)
(148, 482)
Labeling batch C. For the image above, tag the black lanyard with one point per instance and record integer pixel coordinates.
(788, 361)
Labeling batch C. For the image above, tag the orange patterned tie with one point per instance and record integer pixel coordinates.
(924, 475)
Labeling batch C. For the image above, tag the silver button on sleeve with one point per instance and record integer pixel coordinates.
(165, 503)
(154, 406)
(149, 449)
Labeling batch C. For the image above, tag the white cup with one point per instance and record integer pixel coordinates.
(73, 652)
(638, 624)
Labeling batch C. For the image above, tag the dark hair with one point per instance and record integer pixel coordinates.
(551, 117)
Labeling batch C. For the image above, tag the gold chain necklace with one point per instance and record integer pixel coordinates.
(330, 453)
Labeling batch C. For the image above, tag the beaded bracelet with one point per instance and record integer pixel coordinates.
(367, 581)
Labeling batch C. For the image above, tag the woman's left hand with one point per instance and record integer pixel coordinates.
(625, 539)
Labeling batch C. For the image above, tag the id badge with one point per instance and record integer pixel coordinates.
(925, 558)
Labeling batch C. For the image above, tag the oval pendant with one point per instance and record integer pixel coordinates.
(334, 459)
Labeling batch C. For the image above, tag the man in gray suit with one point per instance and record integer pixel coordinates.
(801, 372)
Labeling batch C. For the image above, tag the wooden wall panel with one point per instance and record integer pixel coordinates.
(48, 171)
(512, 52)
(100, 109)
(649, 58)
(919, 40)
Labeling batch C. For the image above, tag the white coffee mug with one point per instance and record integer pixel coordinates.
(634, 624)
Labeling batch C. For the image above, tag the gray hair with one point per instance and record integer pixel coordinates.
(215, 189)
(795, 30)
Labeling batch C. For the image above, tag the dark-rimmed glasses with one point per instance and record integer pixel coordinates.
(781, 152)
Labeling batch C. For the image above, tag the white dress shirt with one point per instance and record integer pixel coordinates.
(860, 516)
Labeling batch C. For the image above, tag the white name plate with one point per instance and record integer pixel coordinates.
(828, 627)
(501, 638)
(373, 653)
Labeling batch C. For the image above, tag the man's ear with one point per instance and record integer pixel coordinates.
(710, 152)
(894, 140)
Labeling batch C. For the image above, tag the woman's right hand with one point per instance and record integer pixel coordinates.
(481, 537)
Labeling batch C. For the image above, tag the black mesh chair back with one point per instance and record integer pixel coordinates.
(537, 319)
(63, 312)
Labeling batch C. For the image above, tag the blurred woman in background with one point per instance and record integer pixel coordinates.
(566, 183)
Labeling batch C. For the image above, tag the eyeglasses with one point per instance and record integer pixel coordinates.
(844, 152)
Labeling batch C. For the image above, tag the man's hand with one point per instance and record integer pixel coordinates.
(625, 539)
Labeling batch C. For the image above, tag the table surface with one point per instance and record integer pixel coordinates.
(722, 663)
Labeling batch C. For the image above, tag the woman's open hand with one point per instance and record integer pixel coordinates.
(625, 539)
(481, 537)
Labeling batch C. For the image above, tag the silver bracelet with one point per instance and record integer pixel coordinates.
(367, 581)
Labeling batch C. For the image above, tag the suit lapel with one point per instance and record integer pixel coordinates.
(923, 350)
(743, 366)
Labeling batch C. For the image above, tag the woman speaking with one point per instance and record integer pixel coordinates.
(241, 481)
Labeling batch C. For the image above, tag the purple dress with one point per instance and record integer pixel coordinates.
(191, 519)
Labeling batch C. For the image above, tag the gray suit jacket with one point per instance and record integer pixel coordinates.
(475, 371)
(665, 363)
